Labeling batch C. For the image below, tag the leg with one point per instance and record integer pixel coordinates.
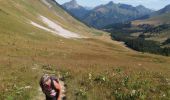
(49, 98)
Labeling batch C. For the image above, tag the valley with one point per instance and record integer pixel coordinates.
(39, 37)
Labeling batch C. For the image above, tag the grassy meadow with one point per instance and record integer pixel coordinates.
(95, 68)
(155, 20)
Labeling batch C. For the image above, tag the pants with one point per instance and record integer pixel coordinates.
(49, 98)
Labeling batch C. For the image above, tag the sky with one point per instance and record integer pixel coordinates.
(153, 4)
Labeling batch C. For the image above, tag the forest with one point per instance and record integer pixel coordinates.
(122, 32)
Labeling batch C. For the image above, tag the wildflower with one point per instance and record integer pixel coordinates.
(90, 76)
(133, 91)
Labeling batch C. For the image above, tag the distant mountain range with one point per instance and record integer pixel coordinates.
(104, 15)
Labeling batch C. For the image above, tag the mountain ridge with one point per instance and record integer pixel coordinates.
(110, 13)
(164, 10)
(75, 9)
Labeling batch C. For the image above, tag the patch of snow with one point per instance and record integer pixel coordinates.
(55, 28)
(42, 27)
(61, 31)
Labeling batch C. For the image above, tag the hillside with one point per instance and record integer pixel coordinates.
(159, 17)
(37, 36)
(164, 10)
(155, 20)
(158, 25)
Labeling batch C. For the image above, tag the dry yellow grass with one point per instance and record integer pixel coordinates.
(24, 50)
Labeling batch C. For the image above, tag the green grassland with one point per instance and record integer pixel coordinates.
(95, 68)
(155, 20)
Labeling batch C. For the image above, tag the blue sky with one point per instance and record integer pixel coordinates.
(153, 4)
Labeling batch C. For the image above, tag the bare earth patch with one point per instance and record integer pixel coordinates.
(55, 28)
